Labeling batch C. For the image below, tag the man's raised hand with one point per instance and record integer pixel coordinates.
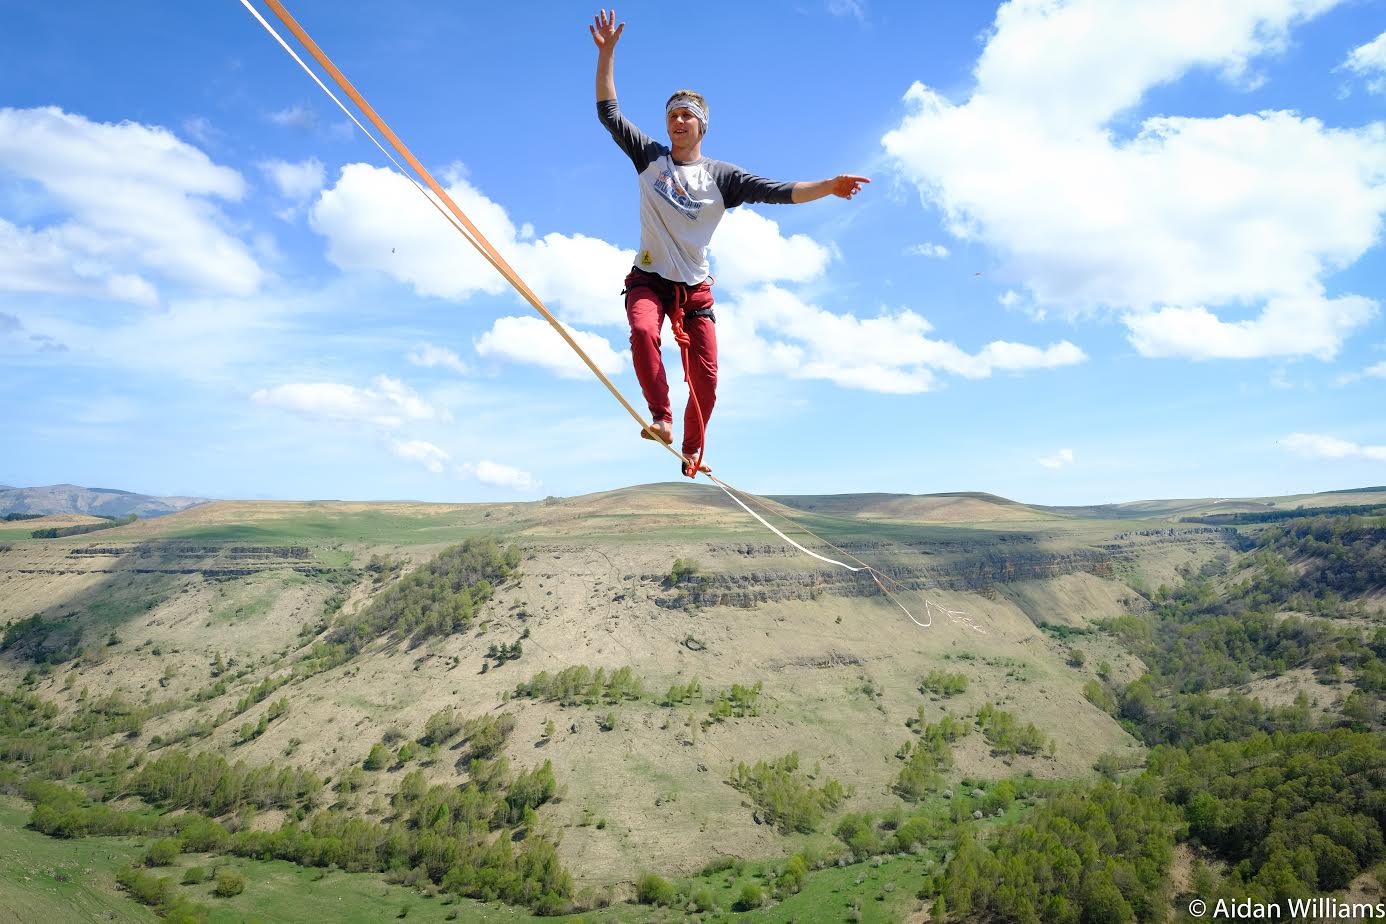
(847, 186)
(604, 30)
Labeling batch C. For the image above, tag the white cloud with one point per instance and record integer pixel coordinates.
(1369, 62)
(928, 249)
(749, 250)
(219, 339)
(295, 116)
(501, 476)
(425, 453)
(373, 219)
(533, 340)
(1058, 460)
(1319, 446)
(429, 356)
(135, 201)
(1189, 220)
(388, 404)
(296, 182)
(11, 328)
(1377, 371)
(774, 330)
(853, 8)
(202, 131)
(1310, 325)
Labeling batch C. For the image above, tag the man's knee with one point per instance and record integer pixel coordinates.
(644, 333)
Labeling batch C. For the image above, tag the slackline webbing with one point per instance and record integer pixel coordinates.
(441, 201)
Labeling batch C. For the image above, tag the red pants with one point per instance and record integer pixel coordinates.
(649, 300)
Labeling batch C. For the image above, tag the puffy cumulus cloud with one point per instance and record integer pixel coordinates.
(422, 452)
(430, 356)
(501, 476)
(1369, 62)
(1311, 325)
(1319, 446)
(534, 341)
(774, 330)
(749, 249)
(389, 403)
(1176, 226)
(296, 182)
(373, 219)
(65, 260)
(1058, 460)
(135, 202)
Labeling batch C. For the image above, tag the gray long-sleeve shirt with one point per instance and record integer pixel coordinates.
(681, 204)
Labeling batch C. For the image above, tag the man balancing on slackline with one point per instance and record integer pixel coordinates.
(683, 196)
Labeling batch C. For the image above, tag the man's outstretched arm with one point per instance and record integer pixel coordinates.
(605, 33)
(845, 186)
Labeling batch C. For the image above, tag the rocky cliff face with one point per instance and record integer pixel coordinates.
(956, 566)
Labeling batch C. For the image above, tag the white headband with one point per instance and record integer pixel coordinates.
(687, 102)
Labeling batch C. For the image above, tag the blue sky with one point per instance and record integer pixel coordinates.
(1107, 254)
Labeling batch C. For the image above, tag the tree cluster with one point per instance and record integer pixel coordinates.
(583, 685)
(783, 797)
(439, 597)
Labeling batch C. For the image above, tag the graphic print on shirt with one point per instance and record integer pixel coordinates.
(667, 185)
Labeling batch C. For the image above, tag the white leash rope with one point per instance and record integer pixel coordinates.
(832, 561)
(763, 522)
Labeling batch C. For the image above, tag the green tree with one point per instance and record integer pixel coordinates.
(378, 758)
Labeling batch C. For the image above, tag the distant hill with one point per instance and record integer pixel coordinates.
(72, 499)
(1202, 506)
(958, 507)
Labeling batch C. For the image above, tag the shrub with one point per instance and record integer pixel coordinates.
(653, 889)
(379, 757)
(229, 883)
(752, 896)
(163, 852)
(143, 887)
(943, 684)
(794, 873)
(442, 726)
(702, 901)
(684, 568)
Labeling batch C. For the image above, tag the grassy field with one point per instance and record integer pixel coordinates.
(310, 524)
(50, 880)
(53, 880)
(252, 597)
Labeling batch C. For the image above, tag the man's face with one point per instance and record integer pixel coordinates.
(684, 126)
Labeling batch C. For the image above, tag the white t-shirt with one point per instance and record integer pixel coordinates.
(681, 204)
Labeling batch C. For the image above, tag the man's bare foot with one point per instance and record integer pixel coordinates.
(662, 430)
(687, 466)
